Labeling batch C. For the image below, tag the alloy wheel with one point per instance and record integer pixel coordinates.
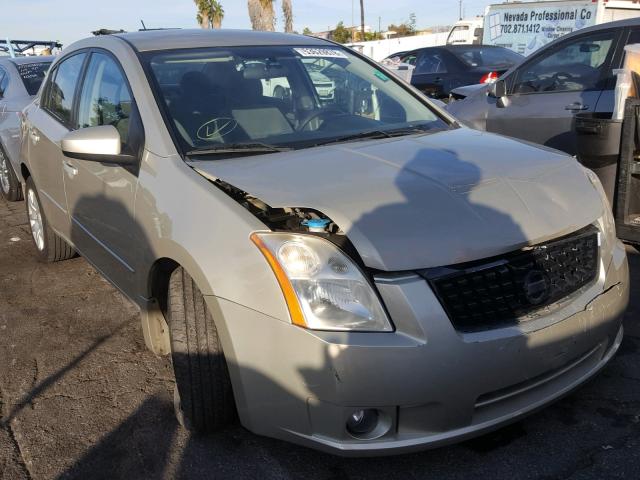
(35, 219)
(4, 174)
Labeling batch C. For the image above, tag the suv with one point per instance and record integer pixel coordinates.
(360, 276)
(537, 100)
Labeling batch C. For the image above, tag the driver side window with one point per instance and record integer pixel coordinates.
(106, 100)
(576, 65)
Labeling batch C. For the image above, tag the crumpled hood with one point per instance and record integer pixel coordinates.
(429, 200)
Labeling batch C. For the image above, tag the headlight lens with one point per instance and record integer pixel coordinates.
(323, 288)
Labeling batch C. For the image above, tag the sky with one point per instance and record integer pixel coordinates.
(70, 20)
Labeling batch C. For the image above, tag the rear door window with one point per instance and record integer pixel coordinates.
(61, 90)
(4, 81)
(32, 75)
(430, 62)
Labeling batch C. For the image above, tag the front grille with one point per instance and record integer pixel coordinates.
(512, 288)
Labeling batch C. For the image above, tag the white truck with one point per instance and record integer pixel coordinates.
(467, 31)
(524, 27)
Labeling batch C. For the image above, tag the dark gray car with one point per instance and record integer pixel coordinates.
(542, 94)
(20, 79)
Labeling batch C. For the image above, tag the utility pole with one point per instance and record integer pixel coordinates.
(362, 18)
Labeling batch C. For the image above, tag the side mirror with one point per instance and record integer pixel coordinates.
(96, 144)
(498, 89)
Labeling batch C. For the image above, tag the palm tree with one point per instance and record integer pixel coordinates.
(210, 13)
(262, 14)
(287, 13)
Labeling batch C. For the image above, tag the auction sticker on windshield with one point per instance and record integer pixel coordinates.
(321, 52)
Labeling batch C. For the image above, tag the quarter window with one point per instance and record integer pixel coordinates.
(575, 66)
(60, 93)
(105, 97)
(4, 81)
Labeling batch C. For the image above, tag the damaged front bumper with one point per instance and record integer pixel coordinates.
(430, 384)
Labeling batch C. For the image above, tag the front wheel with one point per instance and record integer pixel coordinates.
(9, 184)
(203, 398)
(49, 245)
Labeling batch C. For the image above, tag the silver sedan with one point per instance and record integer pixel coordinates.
(358, 274)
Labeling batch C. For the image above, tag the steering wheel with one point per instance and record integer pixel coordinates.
(321, 113)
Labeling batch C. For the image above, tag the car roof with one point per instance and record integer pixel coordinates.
(198, 38)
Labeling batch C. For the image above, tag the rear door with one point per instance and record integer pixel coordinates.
(545, 92)
(100, 197)
(48, 122)
(431, 71)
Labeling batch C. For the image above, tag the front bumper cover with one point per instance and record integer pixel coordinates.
(436, 385)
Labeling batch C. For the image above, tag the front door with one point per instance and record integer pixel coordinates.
(100, 197)
(545, 93)
(430, 73)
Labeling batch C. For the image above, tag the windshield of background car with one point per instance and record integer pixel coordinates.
(487, 56)
(32, 75)
(282, 96)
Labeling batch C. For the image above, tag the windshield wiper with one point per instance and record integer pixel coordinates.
(374, 134)
(238, 148)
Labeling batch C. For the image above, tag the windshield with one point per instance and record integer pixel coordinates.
(280, 96)
(32, 75)
(487, 56)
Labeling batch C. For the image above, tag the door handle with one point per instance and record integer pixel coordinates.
(576, 106)
(70, 168)
(438, 80)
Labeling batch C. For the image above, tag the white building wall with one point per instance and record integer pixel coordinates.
(379, 49)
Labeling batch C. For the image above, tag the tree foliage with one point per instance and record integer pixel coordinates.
(405, 29)
(341, 34)
(210, 13)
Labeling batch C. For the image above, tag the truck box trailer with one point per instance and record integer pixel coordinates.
(524, 27)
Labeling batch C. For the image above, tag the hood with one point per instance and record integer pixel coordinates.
(429, 200)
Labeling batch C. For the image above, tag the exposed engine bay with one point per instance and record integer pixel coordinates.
(289, 219)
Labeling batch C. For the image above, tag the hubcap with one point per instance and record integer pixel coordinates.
(35, 219)
(4, 173)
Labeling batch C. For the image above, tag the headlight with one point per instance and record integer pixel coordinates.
(323, 288)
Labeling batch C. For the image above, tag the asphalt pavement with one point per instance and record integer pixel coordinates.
(81, 397)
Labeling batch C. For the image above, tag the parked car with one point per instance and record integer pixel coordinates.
(279, 86)
(20, 79)
(365, 276)
(438, 70)
(537, 100)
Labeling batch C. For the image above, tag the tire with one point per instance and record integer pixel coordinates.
(10, 187)
(49, 245)
(203, 398)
